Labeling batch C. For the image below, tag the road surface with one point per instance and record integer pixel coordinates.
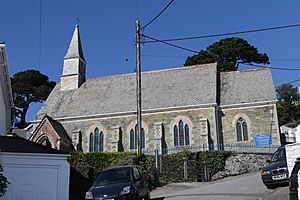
(243, 187)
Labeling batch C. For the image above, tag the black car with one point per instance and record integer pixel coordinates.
(294, 181)
(276, 173)
(120, 183)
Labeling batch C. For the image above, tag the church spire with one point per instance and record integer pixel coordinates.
(73, 75)
(75, 48)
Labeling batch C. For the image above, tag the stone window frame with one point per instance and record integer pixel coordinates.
(175, 124)
(90, 130)
(131, 126)
(45, 136)
(248, 122)
(99, 135)
(133, 136)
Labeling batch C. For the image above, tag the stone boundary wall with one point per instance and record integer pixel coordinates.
(240, 163)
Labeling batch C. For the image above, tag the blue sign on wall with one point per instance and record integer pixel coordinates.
(263, 139)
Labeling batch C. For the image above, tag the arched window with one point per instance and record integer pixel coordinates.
(175, 136)
(187, 135)
(96, 141)
(101, 142)
(181, 134)
(44, 141)
(133, 138)
(241, 130)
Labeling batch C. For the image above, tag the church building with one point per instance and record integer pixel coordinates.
(184, 107)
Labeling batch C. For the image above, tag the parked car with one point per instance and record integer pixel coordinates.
(276, 173)
(294, 181)
(120, 183)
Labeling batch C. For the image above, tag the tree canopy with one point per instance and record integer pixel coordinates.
(229, 53)
(28, 87)
(288, 105)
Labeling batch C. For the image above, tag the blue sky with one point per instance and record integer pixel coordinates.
(107, 29)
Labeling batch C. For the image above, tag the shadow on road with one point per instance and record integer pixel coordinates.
(159, 198)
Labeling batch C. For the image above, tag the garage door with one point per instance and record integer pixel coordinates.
(31, 183)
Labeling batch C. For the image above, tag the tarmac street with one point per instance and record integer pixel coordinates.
(243, 187)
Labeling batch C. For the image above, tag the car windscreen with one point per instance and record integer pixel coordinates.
(113, 176)
(279, 155)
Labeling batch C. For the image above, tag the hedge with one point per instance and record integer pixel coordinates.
(85, 166)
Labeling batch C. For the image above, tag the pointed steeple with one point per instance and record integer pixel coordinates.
(73, 75)
(75, 48)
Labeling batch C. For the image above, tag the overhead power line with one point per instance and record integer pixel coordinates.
(277, 68)
(162, 56)
(150, 22)
(170, 44)
(293, 81)
(227, 34)
(40, 35)
(285, 60)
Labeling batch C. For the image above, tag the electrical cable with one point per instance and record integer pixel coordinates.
(162, 56)
(170, 44)
(150, 22)
(293, 81)
(137, 9)
(227, 34)
(285, 60)
(40, 37)
(276, 68)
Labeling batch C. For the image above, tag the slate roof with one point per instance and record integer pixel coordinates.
(247, 86)
(15, 144)
(168, 88)
(186, 86)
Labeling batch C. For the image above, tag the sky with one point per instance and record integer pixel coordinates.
(38, 32)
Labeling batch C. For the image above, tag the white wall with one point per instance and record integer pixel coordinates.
(2, 113)
(6, 101)
(36, 176)
(292, 153)
(297, 134)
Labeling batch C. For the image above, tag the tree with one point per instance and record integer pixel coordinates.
(28, 87)
(3, 182)
(229, 53)
(288, 105)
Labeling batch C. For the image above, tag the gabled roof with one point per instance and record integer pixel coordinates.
(58, 128)
(161, 89)
(247, 86)
(75, 48)
(15, 144)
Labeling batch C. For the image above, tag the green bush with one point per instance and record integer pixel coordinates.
(97, 161)
(215, 160)
(85, 166)
(172, 165)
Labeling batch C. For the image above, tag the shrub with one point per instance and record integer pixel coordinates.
(85, 166)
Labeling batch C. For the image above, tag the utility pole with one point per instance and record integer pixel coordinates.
(138, 88)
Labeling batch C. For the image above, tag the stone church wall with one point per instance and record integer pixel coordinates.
(260, 120)
(156, 125)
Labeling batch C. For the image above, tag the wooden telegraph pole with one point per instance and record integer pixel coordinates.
(138, 88)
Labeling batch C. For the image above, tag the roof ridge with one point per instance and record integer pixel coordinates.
(247, 70)
(157, 70)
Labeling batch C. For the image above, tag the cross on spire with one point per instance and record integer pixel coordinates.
(77, 20)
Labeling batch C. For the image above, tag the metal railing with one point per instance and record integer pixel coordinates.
(240, 148)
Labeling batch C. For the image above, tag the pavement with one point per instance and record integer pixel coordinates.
(247, 186)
